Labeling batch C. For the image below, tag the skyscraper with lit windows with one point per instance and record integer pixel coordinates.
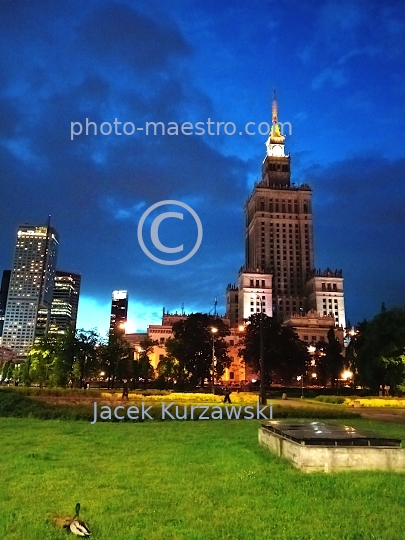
(119, 311)
(31, 287)
(279, 234)
(279, 276)
(65, 302)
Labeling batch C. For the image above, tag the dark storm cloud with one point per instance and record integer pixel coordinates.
(359, 226)
(90, 183)
(120, 35)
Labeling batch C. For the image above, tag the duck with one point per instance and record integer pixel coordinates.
(74, 524)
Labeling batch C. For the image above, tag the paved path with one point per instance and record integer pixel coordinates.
(397, 417)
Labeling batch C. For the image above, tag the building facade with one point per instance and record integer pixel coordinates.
(325, 294)
(312, 327)
(119, 311)
(237, 372)
(65, 302)
(280, 248)
(31, 287)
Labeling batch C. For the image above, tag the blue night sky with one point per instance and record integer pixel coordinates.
(338, 68)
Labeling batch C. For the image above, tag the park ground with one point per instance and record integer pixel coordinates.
(185, 480)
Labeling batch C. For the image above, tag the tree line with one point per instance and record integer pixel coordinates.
(70, 359)
(196, 353)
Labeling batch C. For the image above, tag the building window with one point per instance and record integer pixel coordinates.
(231, 375)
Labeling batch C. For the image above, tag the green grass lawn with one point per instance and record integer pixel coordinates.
(183, 480)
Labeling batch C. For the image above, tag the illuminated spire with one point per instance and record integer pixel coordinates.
(274, 118)
(275, 142)
(275, 128)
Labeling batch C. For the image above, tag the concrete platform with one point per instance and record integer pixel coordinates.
(316, 446)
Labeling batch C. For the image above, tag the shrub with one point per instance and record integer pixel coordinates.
(57, 392)
(336, 400)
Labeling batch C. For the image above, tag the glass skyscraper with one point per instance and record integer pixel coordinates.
(31, 287)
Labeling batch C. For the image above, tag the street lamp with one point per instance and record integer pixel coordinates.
(213, 332)
(301, 378)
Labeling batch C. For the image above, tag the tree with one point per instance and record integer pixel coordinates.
(330, 364)
(168, 369)
(55, 359)
(192, 347)
(26, 372)
(117, 358)
(41, 359)
(285, 356)
(86, 355)
(379, 350)
(143, 368)
(66, 347)
(7, 370)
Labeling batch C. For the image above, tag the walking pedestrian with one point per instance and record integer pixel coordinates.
(227, 393)
(125, 391)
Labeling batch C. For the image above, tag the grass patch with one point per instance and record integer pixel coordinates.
(184, 481)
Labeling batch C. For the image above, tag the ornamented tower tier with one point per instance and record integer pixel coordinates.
(279, 232)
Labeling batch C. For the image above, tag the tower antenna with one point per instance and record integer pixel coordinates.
(274, 114)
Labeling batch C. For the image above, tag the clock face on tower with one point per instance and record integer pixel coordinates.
(277, 150)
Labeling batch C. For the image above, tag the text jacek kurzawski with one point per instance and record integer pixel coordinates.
(171, 411)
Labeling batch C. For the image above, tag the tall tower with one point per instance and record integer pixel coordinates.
(279, 232)
(119, 311)
(65, 302)
(31, 287)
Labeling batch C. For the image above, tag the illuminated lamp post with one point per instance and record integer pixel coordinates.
(301, 378)
(213, 331)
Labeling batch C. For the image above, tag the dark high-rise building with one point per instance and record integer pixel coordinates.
(5, 283)
(279, 234)
(65, 302)
(119, 311)
(31, 287)
(279, 276)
